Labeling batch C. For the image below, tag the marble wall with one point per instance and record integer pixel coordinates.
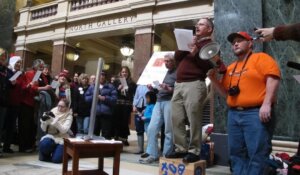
(7, 14)
(277, 12)
(236, 15)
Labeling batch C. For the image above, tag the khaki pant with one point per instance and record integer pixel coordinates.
(187, 101)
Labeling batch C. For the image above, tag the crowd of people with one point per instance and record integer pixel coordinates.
(36, 113)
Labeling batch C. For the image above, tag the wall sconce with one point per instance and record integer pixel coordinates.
(76, 55)
(156, 48)
(73, 56)
(126, 50)
(106, 66)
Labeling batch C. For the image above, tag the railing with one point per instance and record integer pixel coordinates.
(83, 4)
(44, 12)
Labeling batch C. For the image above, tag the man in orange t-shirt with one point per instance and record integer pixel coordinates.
(249, 85)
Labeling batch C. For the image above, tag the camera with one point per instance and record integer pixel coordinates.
(233, 91)
(47, 115)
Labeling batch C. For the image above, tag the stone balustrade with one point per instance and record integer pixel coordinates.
(44, 12)
(83, 4)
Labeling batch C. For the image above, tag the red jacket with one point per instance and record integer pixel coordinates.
(29, 91)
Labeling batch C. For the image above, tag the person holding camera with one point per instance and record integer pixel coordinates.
(280, 33)
(249, 86)
(56, 123)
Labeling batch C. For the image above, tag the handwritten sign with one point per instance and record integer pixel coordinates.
(177, 167)
(170, 167)
(155, 70)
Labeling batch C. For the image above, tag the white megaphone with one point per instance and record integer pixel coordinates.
(210, 52)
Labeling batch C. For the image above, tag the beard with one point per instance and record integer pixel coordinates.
(239, 52)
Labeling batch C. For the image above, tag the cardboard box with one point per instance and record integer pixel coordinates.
(177, 167)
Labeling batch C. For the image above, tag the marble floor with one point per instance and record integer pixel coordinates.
(28, 164)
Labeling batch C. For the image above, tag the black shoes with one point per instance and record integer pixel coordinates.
(174, 155)
(186, 157)
(190, 158)
(145, 155)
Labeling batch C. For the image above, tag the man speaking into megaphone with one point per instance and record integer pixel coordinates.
(189, 93)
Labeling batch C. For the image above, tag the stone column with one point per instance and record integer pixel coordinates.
(58, 57)
(142, 50)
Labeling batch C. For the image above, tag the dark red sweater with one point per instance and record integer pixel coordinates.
(191, 67)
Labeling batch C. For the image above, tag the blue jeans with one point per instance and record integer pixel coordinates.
(83, 124)
(249, 142)
(49, 151)
(161, 114)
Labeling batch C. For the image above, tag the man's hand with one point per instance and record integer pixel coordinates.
(101, 98)
(265, 113)
(150, 87)
(120, 87)
(211, 74)
(266, 33)
(165, 86)
(48, 87)
(14, 82)
(134, 109)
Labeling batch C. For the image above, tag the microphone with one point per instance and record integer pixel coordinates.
(293, 65)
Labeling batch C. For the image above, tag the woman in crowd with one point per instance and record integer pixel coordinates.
(13, 109)
(124, 106)
(106, 100)
(82, 108)
(64, 91)
(56, 124)
(26, 124)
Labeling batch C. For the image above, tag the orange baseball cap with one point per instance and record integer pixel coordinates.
(241, 34)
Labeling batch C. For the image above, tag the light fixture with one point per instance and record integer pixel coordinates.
(76, 56)
(126, 50)
(156, 48)
(73, 56)
(106, 66)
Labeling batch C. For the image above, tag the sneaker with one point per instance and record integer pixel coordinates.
(8, 150)
(145, 155)
(190, 158)
(175, 155)
(148, 160)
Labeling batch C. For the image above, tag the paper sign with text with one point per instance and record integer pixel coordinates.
(155, 69)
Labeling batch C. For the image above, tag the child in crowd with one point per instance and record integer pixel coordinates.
(142, 120)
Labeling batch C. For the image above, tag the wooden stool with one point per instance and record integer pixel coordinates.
(90, 149)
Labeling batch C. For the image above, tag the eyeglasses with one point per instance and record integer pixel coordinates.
(61, 106)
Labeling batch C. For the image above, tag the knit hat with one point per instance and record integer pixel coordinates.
(64, 73)
(12, 61)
